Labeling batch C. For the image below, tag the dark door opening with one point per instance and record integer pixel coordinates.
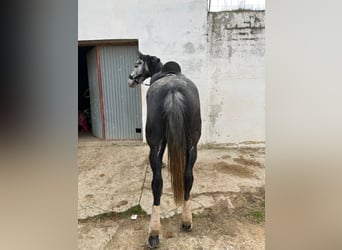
(84, 112)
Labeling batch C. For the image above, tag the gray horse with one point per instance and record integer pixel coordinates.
(173, 119)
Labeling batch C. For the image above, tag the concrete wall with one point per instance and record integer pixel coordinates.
(236, 48)
(230, 79)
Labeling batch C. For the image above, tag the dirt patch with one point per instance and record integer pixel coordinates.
(227, 226)
(225, 157)
(228, 199)
(245, 161)
(249, 150)
(250, 206)
(234, 169)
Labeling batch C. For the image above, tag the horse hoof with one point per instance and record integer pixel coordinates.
(187, 228)
(153, 242)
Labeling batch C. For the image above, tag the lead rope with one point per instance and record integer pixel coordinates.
(142, 187)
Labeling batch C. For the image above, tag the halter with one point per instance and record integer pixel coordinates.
(136, 78)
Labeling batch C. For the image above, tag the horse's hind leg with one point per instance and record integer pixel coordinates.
(157, 187)
(188, 180)
(161, 152)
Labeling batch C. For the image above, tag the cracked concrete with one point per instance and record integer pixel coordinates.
(112, 179)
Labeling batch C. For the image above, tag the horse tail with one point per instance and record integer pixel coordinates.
(174, 108)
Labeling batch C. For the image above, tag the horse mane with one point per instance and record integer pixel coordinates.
(157, 69)
(153, 63)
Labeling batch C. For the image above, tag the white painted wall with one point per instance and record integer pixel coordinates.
(231, 86)
(236, 48)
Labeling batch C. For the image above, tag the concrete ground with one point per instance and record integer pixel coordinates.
(228, 198)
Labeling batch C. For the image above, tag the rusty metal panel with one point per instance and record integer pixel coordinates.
(94, 94)
(122, 105)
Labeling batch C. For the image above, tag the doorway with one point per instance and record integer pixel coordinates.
(111, 110)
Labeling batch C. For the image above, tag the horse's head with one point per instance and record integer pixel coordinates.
(145, 67)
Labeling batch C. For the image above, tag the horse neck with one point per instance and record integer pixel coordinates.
(155, 68)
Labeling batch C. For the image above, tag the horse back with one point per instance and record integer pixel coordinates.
(174, 84)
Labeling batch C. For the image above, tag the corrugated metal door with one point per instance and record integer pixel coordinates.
(121, 107)
(94, 94)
